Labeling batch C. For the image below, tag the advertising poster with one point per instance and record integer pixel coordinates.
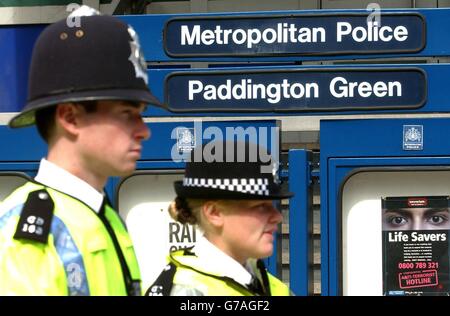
(415, 245)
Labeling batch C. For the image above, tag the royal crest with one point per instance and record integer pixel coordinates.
(412, 137)
(185, 139)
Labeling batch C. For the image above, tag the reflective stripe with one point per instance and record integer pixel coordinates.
(13, 212)
(68, 252)
(71, 258)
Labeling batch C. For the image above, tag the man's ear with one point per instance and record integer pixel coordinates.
(213, 213)
(67, 117)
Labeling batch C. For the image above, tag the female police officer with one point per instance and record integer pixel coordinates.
(87, 90)
(228, 194)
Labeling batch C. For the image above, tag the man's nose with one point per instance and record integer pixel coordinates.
(143, 130)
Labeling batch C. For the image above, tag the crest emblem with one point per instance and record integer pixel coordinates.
(185, 139)
(412, 137)
(137, 56)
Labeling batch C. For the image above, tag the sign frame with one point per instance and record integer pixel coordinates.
(167, 23)
(294, 70)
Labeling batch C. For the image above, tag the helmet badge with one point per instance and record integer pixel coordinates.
(137, 56)
(276, 176)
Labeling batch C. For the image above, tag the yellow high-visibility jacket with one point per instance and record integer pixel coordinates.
(75, 254)
(185, 274)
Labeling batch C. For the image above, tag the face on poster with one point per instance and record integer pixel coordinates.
(415, 245)
(416, 218)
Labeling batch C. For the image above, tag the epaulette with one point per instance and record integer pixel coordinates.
(189, 251)
(36, 217)
(164, 283)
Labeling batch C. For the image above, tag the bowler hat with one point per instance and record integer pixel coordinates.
(231, 170)
(100, 59)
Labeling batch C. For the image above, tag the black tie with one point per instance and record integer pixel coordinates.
(132, 286)
(256, 287)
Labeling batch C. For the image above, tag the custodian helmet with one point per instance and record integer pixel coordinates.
(100, 59)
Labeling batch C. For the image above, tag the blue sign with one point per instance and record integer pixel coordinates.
(16, 45)
(284, 35)
(296, 89)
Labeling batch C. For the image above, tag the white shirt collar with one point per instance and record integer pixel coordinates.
(222, 263)
(59, 179)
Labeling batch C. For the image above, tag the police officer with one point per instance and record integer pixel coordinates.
(87, 91)
(228, 194)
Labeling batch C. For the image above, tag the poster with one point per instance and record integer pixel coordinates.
(415, 232)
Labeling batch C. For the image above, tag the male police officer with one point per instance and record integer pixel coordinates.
(87, 91)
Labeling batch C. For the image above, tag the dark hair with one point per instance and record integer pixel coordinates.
(45, 121)
(45, 118)
(182, 212)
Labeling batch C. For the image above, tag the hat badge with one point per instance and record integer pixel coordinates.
(276, 177)
(137, 56)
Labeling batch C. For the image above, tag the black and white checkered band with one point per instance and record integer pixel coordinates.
(257, 186)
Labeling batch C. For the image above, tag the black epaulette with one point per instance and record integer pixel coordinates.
(36, 217)
(164, 283)
(189, 251)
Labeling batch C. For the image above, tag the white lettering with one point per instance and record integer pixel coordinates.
(415, 236)
(371, 33)
(208, 37)
(190, 38)
(195, 86)
(274, 92)
(343, 28)
(282, 33)
(341, 88)
(245, 89)
(290, 33)
(401, 33)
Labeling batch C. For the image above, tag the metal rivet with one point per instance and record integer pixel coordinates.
(79, 33)
(43, 196)
(63, 36)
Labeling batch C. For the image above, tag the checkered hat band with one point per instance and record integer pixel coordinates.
(259, 186)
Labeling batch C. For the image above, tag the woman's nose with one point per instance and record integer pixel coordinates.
(276, 215)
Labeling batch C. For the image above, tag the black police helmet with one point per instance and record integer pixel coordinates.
(99, 60)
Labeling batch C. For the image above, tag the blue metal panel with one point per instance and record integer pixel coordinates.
(25, 144)
(271, 262)
(347, 145)
(339, 169)
(164, 136)
(16, 44)
(300, 222)
(21, 145)
(381, 137)
(437, 96)
(150, 29)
